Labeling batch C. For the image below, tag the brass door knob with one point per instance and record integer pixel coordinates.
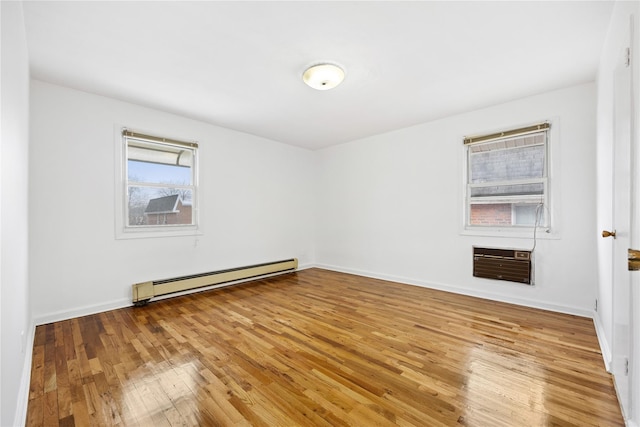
(606, 233)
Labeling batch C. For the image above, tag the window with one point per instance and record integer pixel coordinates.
(160, 182)
(507, 179)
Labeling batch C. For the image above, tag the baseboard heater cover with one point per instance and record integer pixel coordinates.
(513, 265)
(144, 291)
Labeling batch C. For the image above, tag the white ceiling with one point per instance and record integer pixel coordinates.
(239, 64)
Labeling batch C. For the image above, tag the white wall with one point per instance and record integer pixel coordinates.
(391, 205)
(17, 330)
(256, 203)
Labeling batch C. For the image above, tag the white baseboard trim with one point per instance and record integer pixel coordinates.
(126, 302)
(305, 266)
(58, 316)
(543, 305)
(602, 340)
(20, 418)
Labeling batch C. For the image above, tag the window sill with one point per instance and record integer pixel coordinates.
(510, 233)
(154, 232)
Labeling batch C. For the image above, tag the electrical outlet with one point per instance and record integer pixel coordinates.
(596, 306)
(23, 342)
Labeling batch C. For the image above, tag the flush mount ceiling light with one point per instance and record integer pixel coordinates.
(323, 76)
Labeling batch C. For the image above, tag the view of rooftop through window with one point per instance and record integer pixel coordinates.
(160, 184)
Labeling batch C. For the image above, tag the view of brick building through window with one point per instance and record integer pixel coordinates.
(491, 215)
(507, 181)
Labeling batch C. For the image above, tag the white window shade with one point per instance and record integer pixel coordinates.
(160, 154)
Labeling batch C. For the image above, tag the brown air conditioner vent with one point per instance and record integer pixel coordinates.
(512, 265)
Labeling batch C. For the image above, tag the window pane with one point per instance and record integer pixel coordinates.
(505, 214)
(536, 188)
(499, 161)
(526, 215)
(158, 173)
(490, 214)
(507, 180)
(160, 183)
(159, 206)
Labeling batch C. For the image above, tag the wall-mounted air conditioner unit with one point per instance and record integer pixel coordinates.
(513, 265)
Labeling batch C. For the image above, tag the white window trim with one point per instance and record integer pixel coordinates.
(552, 192)
(122, 231)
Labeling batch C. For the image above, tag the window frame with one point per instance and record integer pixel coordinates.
(123, 229)
(513, 229)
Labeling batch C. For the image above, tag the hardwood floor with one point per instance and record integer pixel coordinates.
(319, 348)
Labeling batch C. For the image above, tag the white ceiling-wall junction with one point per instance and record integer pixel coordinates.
(239, 64)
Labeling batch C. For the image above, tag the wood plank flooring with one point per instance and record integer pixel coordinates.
(320, 348)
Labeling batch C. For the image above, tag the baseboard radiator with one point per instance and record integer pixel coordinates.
(143, 292)
(512, 265)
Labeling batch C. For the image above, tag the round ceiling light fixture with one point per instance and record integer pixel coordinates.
(323, 76)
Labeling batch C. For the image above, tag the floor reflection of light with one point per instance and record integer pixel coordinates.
(503, 389)
(162, 390)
